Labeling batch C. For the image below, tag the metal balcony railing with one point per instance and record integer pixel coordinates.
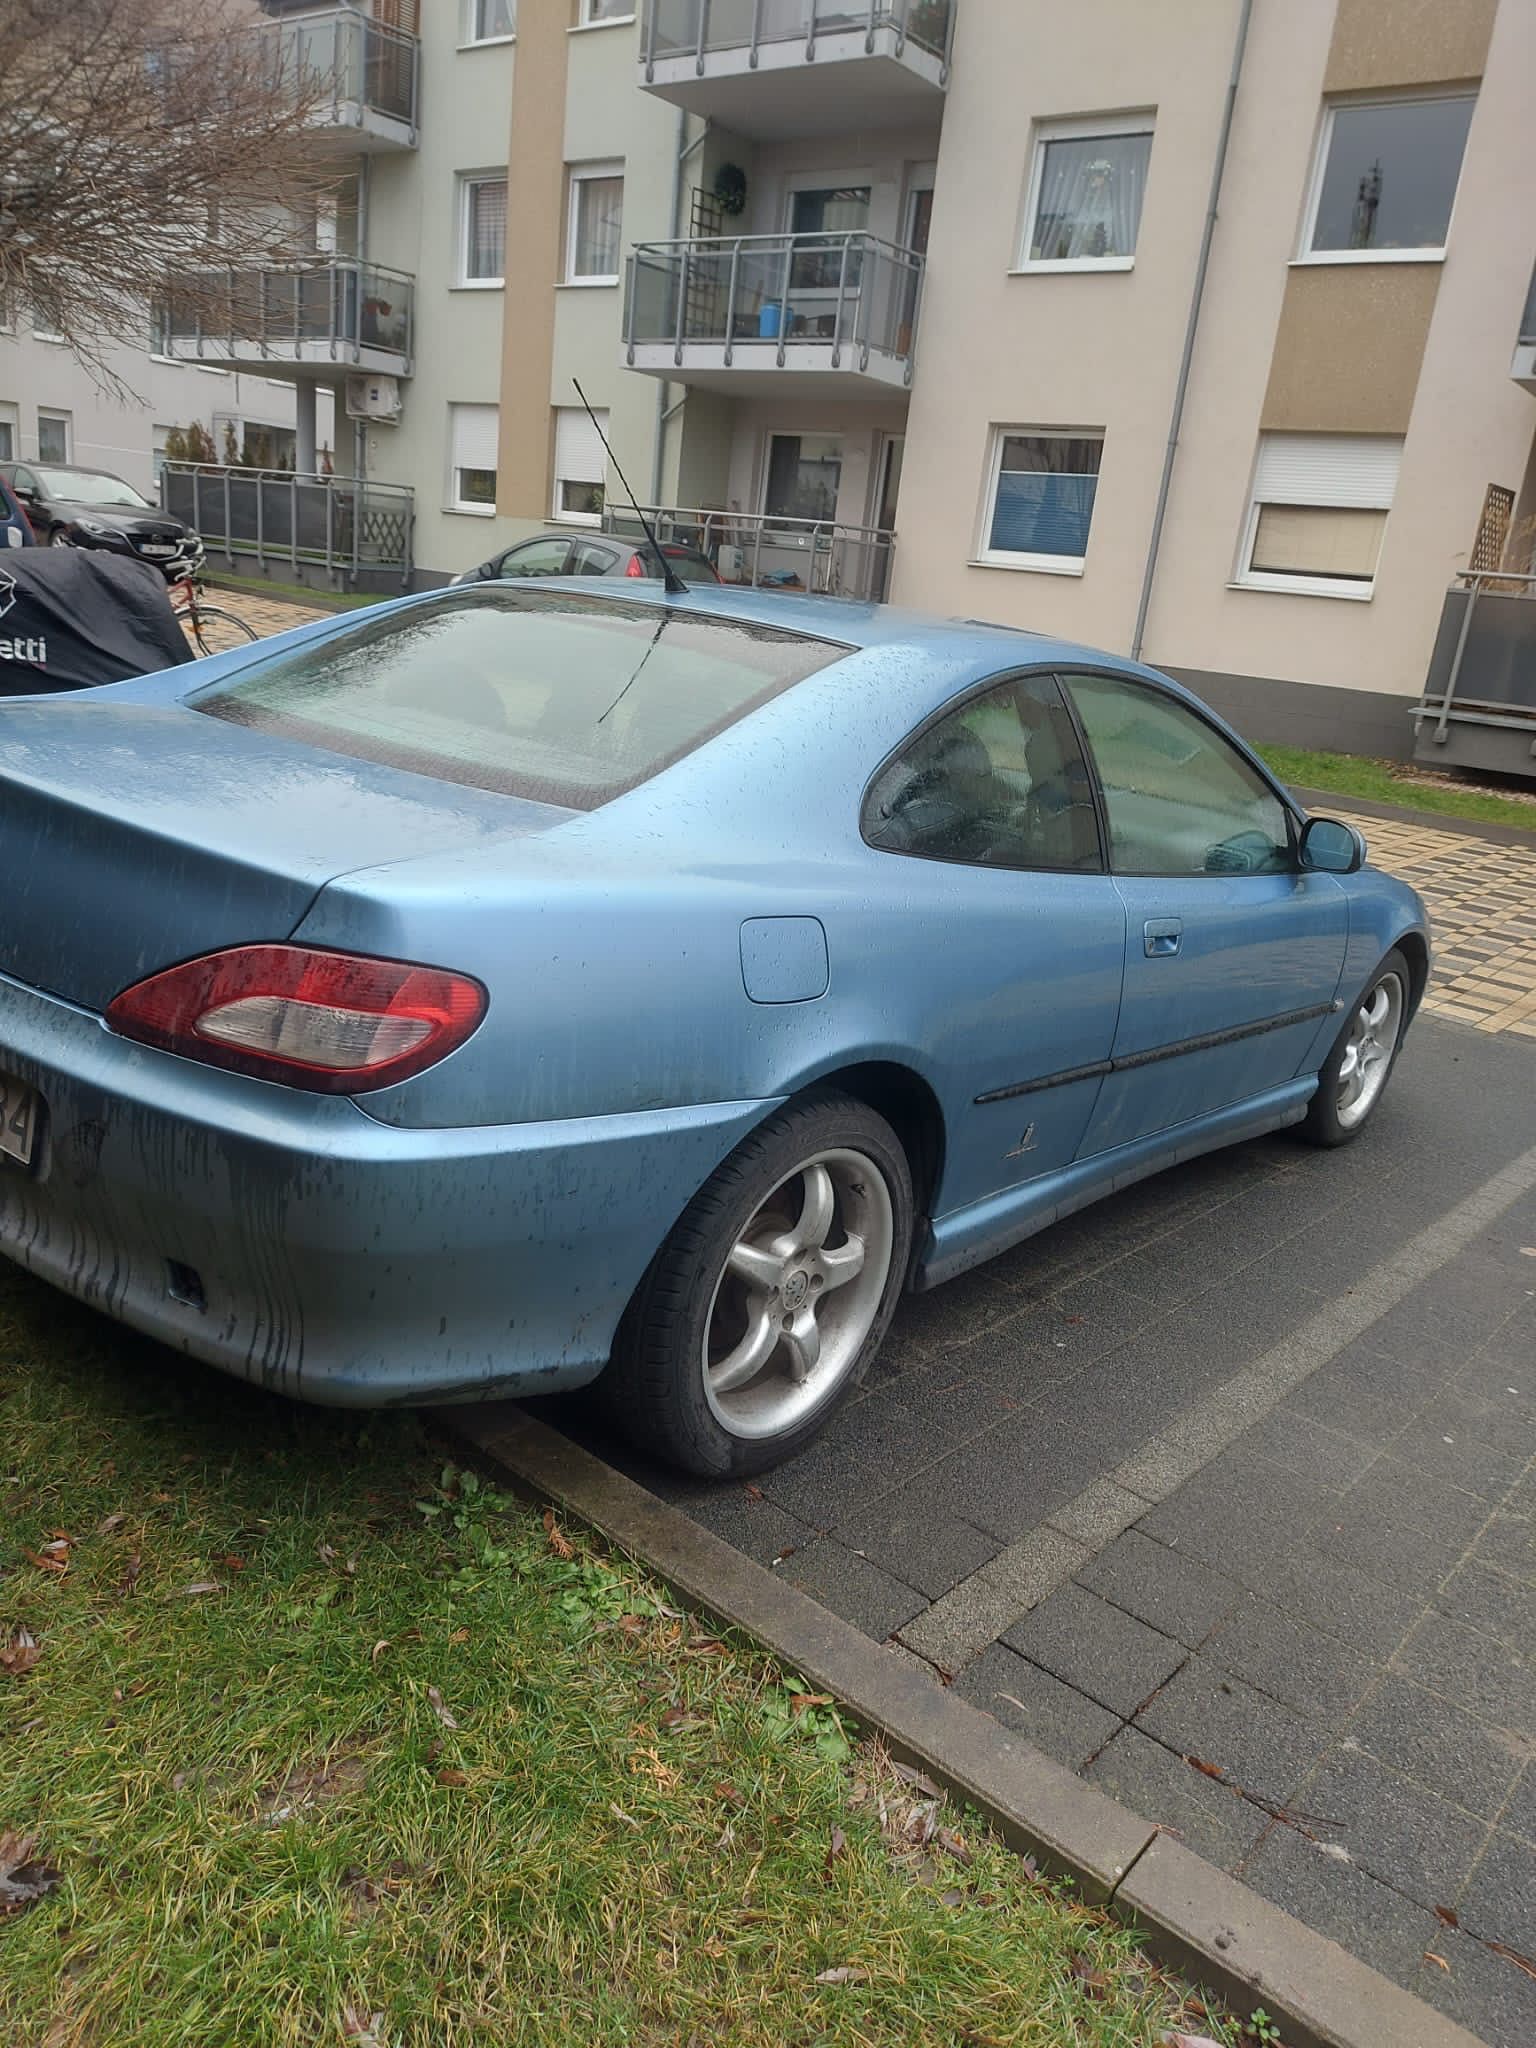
(760, 295)
(698, 28)
(330, 523)
(340, 60)
(762, 551)
(290, 311)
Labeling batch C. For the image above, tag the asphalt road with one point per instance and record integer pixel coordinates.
(1224, 1493)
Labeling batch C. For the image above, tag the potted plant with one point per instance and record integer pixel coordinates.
(731, 189)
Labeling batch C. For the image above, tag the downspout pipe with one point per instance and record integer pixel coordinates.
(664, 410)
(1181, 389)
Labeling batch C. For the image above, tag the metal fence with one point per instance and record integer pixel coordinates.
(341, 305)
(695, 28)
(762, 551)
(763, 294)
(330, 523)
(338, 60)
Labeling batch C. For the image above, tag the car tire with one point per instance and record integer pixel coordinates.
(758, 1316)
(1355, 1074)
(58, 538)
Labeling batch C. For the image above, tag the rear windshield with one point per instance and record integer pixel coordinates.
(562, 698)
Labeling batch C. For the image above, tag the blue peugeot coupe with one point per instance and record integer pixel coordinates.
(513, 986)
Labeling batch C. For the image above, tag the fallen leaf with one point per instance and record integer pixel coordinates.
(1094, 1980)
(108, 1523)
(49, 1559)
(231, 1562)
(378, 1649)
(202, 1586)
(753, 1493)
(1438, 1961)
(326, 1553)
(439, 1709)
(1446, 1916)
(837, 1846)
(845, 1973)
(679, 1717)
(730, 1795)
(619, 1814)
(559, 1542)
(451, 1777)
(460, 1635)
(799, 1702)
(951, 1898)
(1513, 1955)
(953, 1845)
(1211, 1770)
(365, 2029)
(1528, 1251)
(22, 1654)
(705, 1646)
(918, 1780)
(131, 1571)
(1189, 2041)
(24, 1876)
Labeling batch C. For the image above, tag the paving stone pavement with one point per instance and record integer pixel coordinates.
(1224, 1493)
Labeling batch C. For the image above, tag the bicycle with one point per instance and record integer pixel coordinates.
(210, 629)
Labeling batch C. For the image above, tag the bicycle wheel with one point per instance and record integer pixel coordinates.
(212, 631)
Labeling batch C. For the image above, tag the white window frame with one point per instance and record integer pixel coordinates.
(469, 40)
(1431, 253)
(1106, 127)
(558, 516)
(453, 501)
(576, 176)
(587, 19)
(55, 412)
(10, 416)
(1353, 591)
(467, 181)
(988, 557)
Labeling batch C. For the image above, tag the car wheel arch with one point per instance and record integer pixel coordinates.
(1414, 948)
(909, 1105)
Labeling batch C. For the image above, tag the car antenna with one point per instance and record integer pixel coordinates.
(671, 582)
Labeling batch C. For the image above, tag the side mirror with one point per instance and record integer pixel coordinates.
(1330, 847)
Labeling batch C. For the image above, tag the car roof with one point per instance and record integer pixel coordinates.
(851, 623)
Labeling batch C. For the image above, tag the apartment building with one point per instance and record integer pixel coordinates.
(1194, 329)
(53, 409)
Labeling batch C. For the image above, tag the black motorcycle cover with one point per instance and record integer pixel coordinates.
(71, 618)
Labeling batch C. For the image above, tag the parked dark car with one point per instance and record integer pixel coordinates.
(15, 527)
(590, 554)
(91, 508)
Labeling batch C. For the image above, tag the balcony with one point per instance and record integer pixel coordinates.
(1523, 368)
(322, 529)
(358, 77)
(831, 316)
(775, 68)
(341, 315)
(761, 551)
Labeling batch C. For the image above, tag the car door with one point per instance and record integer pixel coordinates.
(1006, 915)
(546, 556)
(1232, 953)
(25, 483)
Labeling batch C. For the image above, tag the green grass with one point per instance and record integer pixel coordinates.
(320, 1730)
(1397, 782)
(290, 593)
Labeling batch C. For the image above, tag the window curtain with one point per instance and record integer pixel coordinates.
(1089, 204)
(1045, 493)
(488, 228)
(600, 203)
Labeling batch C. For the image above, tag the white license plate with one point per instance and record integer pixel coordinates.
(157, 547)
(19, 1105)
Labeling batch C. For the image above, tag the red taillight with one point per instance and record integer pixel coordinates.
(336, 1023)
(634, 566)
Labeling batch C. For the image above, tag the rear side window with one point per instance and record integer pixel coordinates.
(563, 698)
(998, 782)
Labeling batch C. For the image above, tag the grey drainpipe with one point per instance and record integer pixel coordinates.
(1182, 388)
(664, 411)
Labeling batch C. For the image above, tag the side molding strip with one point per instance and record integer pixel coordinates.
(1206, 1042)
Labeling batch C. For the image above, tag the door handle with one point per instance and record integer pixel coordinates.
(1161, 936)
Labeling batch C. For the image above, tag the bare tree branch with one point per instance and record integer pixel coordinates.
(142, 138)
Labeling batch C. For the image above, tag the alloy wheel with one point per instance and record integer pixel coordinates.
(798, 1295)
(1368, 1051)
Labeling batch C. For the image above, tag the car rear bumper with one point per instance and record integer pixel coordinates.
(298, 1243)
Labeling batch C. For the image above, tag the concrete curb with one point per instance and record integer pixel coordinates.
(1188, 1912)
(1327, 800)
